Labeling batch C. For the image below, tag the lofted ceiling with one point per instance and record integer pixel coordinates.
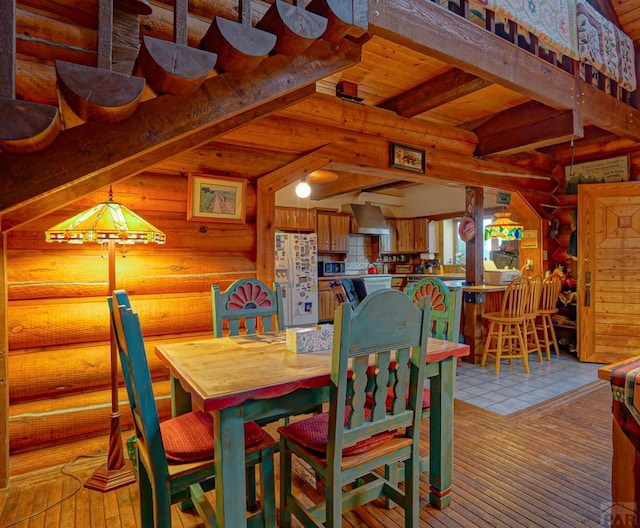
(485, 111)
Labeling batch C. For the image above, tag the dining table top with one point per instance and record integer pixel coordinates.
(227, 371)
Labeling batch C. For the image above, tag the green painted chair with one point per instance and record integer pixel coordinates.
(347, 444)
(250, 301)
(446, 306)
(175, 458)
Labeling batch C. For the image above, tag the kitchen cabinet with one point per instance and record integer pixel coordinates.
(327, 302)
(295, 219)
(421, 235)
(405, 235)
(408, 235)
(333, 232)
(388, 242)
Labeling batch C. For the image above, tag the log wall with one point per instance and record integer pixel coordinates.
(58, 317)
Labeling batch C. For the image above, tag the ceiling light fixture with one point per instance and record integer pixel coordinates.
(303, 190)
(504, 227)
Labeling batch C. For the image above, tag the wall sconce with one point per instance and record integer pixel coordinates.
(303, 190)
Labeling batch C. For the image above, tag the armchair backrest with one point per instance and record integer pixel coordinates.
(388, 331)
(251, 301)
(446, 306)
(137, 377)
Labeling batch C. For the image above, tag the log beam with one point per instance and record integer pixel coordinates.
(89, 157)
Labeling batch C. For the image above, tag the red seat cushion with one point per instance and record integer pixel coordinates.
(189, 437)
(313, 433)
(426, 399)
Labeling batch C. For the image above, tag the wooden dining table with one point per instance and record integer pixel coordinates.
(244, 378)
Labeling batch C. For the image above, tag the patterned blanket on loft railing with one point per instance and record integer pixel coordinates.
(572, 28)
(625, 386)
(552, 21)
(606, 47)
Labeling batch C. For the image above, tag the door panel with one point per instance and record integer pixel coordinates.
(608, 271)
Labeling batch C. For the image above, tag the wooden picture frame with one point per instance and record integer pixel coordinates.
(406, 157)
(608, 170)
(216, 199)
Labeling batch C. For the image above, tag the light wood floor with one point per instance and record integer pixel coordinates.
(548, 466)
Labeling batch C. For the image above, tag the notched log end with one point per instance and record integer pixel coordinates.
(27, 127)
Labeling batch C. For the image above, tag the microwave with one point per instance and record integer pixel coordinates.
(326, 269)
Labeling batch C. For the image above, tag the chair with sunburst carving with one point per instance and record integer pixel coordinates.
(248, 304)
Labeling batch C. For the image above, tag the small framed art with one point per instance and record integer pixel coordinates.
(216, 199)
(408, 158)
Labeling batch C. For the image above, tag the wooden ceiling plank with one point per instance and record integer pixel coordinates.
(164, 127)
(430, 94)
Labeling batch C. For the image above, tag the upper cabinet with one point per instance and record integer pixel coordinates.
(408, 235)
(295, 219)
(333, 232)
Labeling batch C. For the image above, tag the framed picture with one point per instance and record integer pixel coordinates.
(408, 158)
(529, 239)
(609, 170)
(215, 199)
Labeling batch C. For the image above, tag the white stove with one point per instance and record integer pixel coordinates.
(375, 282)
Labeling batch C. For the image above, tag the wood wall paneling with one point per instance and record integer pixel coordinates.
(57, 314)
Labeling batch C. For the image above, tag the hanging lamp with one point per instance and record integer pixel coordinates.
(503, 227)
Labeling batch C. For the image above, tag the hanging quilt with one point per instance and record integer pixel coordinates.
(603, 45)
(552, 21)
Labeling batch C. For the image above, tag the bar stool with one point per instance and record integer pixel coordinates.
(505, 339)
(551, 287)
(529, 331)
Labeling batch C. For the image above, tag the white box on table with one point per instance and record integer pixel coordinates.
(309, 339)
(500, 277)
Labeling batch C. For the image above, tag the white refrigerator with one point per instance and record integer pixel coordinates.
(297, 272)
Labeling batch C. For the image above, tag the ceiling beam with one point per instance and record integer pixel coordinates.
(527, 127)
(91, 156)
(435, 92)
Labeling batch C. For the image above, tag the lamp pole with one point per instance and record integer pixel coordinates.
(117, 471)
(109, 222)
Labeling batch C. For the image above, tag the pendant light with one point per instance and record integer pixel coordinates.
(303, 189)
(504, 227)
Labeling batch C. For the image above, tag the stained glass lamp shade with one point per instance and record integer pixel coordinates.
(503, 227)
(109, 223)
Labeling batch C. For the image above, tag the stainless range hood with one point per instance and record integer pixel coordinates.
(367, 219)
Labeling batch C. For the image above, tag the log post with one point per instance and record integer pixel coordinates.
(473, 305)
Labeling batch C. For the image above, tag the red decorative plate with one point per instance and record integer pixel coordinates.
(467, 229)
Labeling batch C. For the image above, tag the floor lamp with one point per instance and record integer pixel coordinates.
(109, 223)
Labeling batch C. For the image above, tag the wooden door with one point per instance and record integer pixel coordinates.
(608, 271)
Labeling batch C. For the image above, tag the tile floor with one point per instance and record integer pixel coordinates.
(512, 390)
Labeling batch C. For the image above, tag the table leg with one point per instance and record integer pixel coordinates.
(441, 435)
(180, 399)
(230, 468)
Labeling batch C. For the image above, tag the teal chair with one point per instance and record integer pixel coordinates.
(175, 458)
(347, 444)
(446, 306)
(250, 301)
